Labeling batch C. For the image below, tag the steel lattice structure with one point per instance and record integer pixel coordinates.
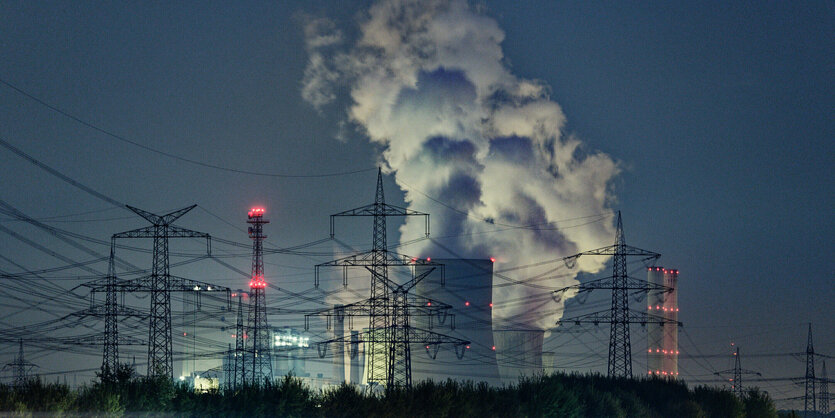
(809, 406)
(239, 378)
(259, 332)
(160, 284)
(399, 336)
(736, 381)
(390, 336)
(619, 316)
(20, 367)
(110, 355)
(824, 391)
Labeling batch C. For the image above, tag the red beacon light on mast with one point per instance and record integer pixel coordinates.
(256, 213)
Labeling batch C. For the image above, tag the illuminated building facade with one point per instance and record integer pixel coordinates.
(289, 352)
(662, 340)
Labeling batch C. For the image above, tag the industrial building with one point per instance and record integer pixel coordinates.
(495, 356)
(466, 285)
(519, 353)
(662, 339)
(348, 359)
(289, 352)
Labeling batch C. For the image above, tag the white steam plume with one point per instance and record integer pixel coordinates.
(428, 83)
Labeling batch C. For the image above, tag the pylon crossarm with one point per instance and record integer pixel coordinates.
(732, 371)
(181, 284)
(99, 339)
(144, 284)
(138, 284)
(384, 209)
(624, 249)
(144, 232)
(430, 306)
(101, 310)
(362, 308)
(418, 306)
(415, 336)
(362, 337)
(611, 283)
(433, 340)
(605, 317)
(380, 209)
(367, 259)
(178, 232)
(414, 281)
(173, 216)
(148, 216)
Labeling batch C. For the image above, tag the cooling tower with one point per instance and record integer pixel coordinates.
(468, 289)
(519, 353)
(340, 374)
(662, 340)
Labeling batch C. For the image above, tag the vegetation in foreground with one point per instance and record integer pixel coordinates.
(558, 395)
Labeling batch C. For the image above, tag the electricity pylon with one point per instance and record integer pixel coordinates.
(160, 283)
(399, 336)
(110, 356)
(809, 406)
(824, 391)
(229, 369)
(110, 311)
(390, 336)
(259, 335)
(737, 371)
(20, 367)
(619, 315)
(239, 378)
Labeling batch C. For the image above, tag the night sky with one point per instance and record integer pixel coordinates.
(717, 117)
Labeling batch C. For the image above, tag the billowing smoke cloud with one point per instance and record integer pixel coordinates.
(428, 83)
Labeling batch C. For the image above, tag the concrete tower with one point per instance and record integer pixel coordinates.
(662, 340)
(466, 285)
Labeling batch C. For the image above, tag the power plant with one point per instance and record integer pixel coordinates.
(466, 285)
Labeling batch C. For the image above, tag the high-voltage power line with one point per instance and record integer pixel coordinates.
(737, 371)
(20, 367)
(160, 283)
(619, 316)
(390, 336)
(259, 332)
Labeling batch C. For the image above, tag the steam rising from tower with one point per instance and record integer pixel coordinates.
(429, 84)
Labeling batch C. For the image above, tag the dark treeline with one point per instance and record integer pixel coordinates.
(558, 395)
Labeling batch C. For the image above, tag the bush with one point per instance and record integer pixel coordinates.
(558, 395)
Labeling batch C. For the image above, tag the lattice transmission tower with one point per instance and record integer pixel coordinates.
(824, 391)
(736, 381)
(259, 332)
(110, 355)
(239, 374)
(390, 336)
(619, 316)
(160, 284)
(20, 368)
(110, 311)
(809, 405)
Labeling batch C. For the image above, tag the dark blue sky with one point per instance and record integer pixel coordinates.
(720, 115)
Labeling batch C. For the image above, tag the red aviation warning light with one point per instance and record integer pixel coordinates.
(258, 282)
(256, 213)
(492, 259)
